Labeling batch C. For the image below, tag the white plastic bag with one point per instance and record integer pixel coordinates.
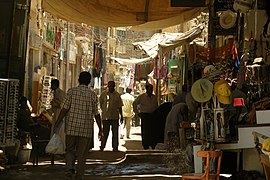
(55, 145)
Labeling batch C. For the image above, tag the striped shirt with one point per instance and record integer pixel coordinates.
(82, 104)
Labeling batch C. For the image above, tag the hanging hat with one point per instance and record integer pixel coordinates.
(238, 102)
(201, 90)
(242, 6)
(227, 19)
(258, 60)
(223, 91)
(208, 70)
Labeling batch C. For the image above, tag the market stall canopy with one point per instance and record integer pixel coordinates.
(167, 41)
(148, 14)
(123, 61)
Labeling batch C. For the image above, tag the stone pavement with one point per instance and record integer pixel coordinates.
(131, 162)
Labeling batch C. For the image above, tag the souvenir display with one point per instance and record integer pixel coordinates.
(9, 89)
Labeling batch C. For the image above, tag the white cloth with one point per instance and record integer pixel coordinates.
(127, 108)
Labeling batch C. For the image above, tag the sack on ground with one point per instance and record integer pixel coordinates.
(55, 145)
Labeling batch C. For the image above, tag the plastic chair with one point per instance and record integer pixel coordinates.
(207, 155)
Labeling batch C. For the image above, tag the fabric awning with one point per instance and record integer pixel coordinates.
(167, 41)
(160, 41)
(156, 14)
(131, 61)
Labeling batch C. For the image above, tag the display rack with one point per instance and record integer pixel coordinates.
(46, 92)
(9, 89)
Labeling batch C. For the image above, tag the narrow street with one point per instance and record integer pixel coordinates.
(131, 162)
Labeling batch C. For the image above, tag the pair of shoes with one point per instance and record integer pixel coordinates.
(115, 150)
(122, 137)
(128, 137)
(101, 149)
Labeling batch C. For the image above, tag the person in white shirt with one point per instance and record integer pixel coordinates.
(128, 113)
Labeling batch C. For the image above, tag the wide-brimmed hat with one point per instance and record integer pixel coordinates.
(223, 91)
(227, 19)
(202, 90)
(210, 72)
(242, 6)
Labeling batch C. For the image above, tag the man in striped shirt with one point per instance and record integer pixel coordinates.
(79, 109)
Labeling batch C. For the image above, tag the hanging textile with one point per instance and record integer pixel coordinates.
(210, 54)
(98, 60)
(160, 67)
(235, 57)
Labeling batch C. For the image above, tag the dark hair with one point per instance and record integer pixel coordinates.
(85, 78)
(55, 82)
(148, 86)
(23, 99)
(128, 90)
(111, 82)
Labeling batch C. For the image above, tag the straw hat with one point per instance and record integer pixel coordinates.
(223, 91)
(227, 19)
(242, 6)
(201, 90)
(208, 70)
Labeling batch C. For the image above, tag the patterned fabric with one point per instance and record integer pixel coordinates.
(110, 104)
(82, 104)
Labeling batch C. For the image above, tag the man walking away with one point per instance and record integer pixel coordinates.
(80, 107)
(111, 106)
(128, 100)
(144, 105)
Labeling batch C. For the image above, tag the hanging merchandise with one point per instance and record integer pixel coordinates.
(160, 67)
(208, 124)
(98, 59)
(219, 121)
(242, 6)
(9, 92)
(227, 19)
(201, 90)
(175, 72)
(210, 54)
(223, 92)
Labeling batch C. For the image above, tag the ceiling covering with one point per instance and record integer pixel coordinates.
(142, 14)
(165, 42)
(161, 41)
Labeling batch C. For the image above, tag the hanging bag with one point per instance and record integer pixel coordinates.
(55, 145)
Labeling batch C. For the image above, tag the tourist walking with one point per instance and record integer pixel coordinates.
(79, 109)
(111, 107)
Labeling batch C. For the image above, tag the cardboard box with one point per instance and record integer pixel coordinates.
(263, 117)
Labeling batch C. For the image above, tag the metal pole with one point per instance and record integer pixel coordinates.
(67, 59)
(211, 33)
